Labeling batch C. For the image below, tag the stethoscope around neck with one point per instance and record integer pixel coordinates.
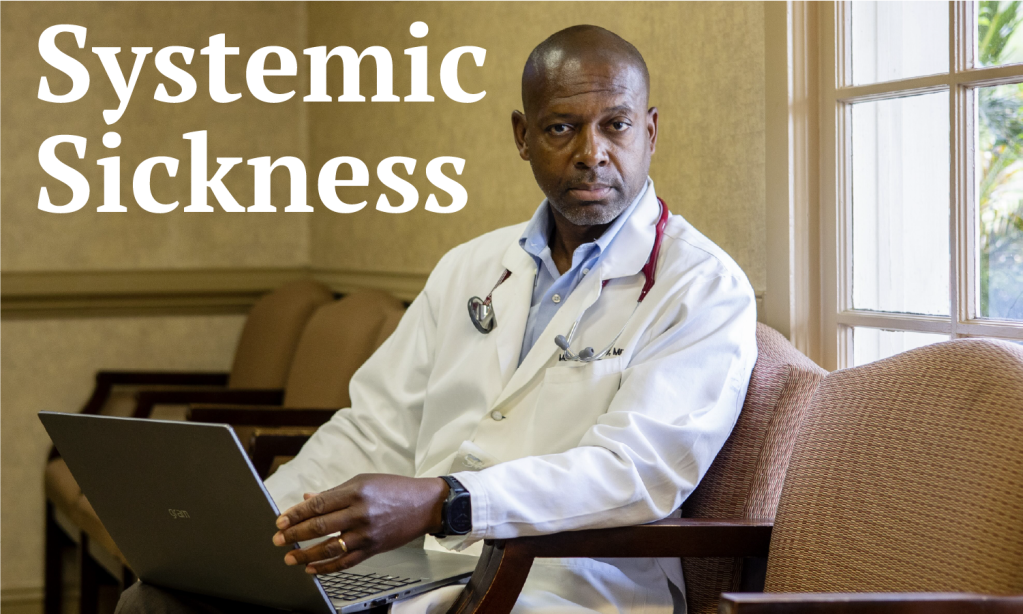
(481, 311)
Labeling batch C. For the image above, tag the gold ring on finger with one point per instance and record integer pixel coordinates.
(344, 546)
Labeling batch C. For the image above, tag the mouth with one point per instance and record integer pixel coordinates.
(590, 191)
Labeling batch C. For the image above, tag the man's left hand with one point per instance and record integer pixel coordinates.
(374, 513)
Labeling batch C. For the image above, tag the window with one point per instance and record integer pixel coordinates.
(922, 182)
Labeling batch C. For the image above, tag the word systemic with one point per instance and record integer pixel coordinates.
(256, 71)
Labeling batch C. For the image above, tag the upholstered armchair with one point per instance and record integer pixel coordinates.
(903, 494)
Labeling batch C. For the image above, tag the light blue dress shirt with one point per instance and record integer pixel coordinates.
(551, 288)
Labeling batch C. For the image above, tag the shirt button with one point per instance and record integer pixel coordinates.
(556, 298)
(585, 271)
(496, 415)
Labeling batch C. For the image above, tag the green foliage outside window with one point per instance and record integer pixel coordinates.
(1000, 114)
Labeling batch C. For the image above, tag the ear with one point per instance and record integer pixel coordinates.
(519, 131)
(651, 128)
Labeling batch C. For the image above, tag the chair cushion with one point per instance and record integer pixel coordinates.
(339, 337)
(746, 477)
(63, 491)
(270, 336)
(61, 488)
(908, 476)
(97, 533)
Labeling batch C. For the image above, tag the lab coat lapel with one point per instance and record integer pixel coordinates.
(585, 294)
(511, 307)
(631, 247)
(626, 256)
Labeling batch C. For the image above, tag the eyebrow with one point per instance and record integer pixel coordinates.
(622, 108)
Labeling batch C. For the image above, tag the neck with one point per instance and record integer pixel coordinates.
(568, 236)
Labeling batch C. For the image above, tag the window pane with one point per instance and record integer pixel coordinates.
(900, 207)
(1000, 190)
(999, 33)
(897, 40)
(870, 344)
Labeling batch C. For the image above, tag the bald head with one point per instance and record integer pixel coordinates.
(568, 49)
(586, 130)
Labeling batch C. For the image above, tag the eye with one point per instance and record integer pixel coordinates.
(558, 128)
(619, 125)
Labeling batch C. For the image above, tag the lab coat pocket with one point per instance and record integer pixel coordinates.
(567, 372)
(471, 457)
(571, 399)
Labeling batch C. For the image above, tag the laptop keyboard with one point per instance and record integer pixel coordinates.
(349, 586)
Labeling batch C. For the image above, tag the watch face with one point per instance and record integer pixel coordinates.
(460, 515)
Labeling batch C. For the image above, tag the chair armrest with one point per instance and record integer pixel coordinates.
(267, 444)
(504, 564)
(106, 380)
(257, 415)
(868, 603)
(671, 537)
(145, 400)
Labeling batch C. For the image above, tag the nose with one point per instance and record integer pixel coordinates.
(591, 149)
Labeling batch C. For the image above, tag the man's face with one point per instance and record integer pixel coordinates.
(588, 136)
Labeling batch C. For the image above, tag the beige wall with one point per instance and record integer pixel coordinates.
(706, 62)
(34, 240)
(48, 364)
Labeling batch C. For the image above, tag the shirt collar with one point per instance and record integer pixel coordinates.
(536, 236)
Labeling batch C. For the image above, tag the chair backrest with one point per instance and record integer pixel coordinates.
(746, 477)
(907, 476)
(337, 340)
(270, 336)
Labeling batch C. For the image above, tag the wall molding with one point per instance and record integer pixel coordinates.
(23, 598)
(75, 294)
(64, 294)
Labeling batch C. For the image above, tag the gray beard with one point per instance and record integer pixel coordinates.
(591, 216)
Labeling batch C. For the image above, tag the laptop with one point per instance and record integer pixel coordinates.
(188, 511)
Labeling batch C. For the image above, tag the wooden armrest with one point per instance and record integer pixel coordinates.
(671, 537)
(163, 378)
(256, 415)
(868, 603)
(267, 444)
(504, 564)
(146, 399)
(106, 380)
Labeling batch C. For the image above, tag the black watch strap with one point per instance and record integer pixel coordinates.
(456, 515)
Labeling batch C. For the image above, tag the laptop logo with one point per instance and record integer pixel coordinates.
(175, 514)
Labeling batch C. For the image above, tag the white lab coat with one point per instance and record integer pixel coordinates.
(551, 445)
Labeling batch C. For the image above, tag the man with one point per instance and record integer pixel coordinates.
(542, 442)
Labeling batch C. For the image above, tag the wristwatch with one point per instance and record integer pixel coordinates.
(456, 515)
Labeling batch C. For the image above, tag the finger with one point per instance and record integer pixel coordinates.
(314, 504)
(324, 550)
(317, 526)
(338, 564)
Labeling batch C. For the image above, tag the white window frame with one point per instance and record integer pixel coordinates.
(838, 317)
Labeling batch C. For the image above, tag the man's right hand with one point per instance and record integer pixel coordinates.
(373, 513)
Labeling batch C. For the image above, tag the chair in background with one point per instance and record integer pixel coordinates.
(261, 363)
(906, 483)
(338, 339)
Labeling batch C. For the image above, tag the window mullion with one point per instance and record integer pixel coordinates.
(955, 57)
